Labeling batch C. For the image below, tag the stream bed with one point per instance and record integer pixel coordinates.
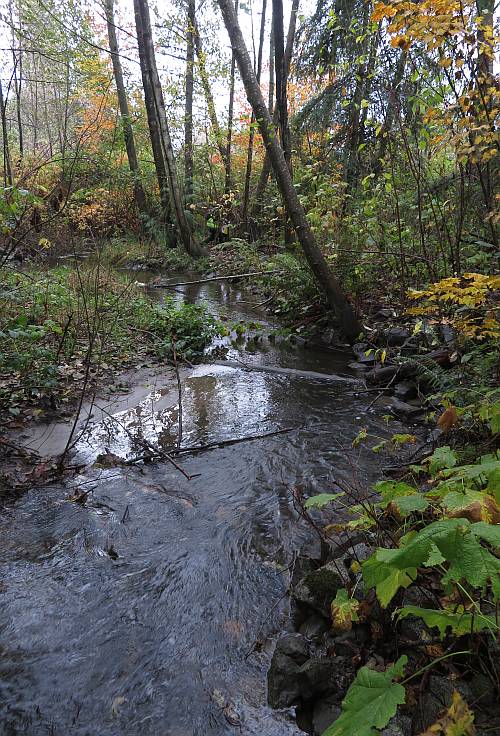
(137, 611)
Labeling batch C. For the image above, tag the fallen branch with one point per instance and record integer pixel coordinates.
(161, 285)
(213, 445)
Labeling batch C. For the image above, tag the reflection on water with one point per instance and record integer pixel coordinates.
(133, 613)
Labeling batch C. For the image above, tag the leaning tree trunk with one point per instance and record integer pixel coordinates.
(336, 298)
(128, 133)
(145, 43)
(188, 110)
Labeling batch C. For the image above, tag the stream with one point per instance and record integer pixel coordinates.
(134, 612)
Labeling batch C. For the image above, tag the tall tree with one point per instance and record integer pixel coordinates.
(209, 98)
(128, 133)
(7, 170)
(228, 182)
(146, 48)
(266, 166)
(251, 134)
(188, 109)
(336, 298)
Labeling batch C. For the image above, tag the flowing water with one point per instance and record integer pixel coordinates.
(134, 612)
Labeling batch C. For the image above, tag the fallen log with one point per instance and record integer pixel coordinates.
(409, 369)
(162, 285)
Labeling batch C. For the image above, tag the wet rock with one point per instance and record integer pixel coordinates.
(384, 313)
(284, 680)
(325, 712)
(360, 349)
(318, 588)
(398, 726)
(358, 366)
(437, 697)
(402, 409)
(348, 643)
(405, 390)
(314, 627)
(326, 676)
(396, 336)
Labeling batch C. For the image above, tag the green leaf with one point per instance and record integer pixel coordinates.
(370, 702)
(321, 500)
(461, 623)
(386, 580)
(408, 504)
(390, 490)
(442, 457)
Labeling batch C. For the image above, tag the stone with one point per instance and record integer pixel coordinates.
(325, 712)
(284, 680)
(360, 349)
(325, 676)
(395, 336)
(348, 643)
(398, 726)
(318, 588)
(437, 697)
(358, 366)
(384, 313)
(314, 627)
(402, 409)
(405, 390)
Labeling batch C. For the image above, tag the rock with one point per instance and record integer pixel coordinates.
(396, 336)
(326, 676)
(325, 712)
(357, 366)
(402, 409)
(405, 390)
(284, 681)
(360, 349)
(314, 627)
(397, 726)
(384, 313)
(318, 588)
(348, 643)
(437, 697)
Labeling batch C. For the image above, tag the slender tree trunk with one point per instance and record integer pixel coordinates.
(351, 168)
(128, 133)
(390, 112)
(281, 73)
(337, 300)
(251, 135)
(17, 60)
(154, 133)
(228, 182)
(209, 98)
(146, 48)
(7, 170)
(188, 111)
(271, 69)
(266, 166)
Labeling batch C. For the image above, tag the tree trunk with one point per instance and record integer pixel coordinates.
(389, 115)
(337, 300)
(145, 43)
(281, 73)
(251, 135)
(205, 82)
(228, 182)
(266, 166)
(188, 111)
(351, 168)
(154, 132)
(128, 133)
(7, 170)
